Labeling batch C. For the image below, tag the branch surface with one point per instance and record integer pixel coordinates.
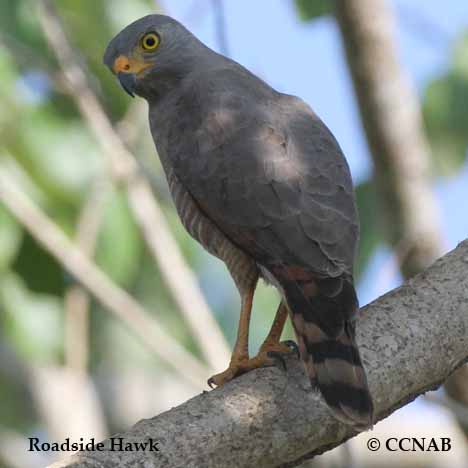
(411, 339)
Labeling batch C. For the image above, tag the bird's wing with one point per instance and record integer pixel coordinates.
(271, 176)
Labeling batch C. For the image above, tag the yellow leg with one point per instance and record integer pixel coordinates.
(240, 362)
(241, 348)
(240, 354)
(273, 337)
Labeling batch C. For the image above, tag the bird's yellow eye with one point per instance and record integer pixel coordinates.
(150, 41)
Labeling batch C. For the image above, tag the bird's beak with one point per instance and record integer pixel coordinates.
(128, 82)
(127, 69)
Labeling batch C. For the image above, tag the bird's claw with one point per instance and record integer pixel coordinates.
(292, 345)
(278, 357)
(269, 352)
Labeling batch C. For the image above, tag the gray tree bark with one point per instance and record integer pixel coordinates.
(411, 340)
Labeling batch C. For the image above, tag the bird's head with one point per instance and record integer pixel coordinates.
(152, 54)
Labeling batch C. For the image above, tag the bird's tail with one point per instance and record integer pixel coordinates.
(323, 314)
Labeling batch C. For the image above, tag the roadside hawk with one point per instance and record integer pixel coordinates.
(259, 180)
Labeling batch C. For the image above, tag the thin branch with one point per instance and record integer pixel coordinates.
(411, 340)
(76, 298)
(220, 25)
(68, 403)
(96, 282)
(176, 274)
(76, 334)
(14, 450)
(131, 124)
(459, 410)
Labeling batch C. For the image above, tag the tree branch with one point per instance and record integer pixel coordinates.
(411, 339)
(76, 300)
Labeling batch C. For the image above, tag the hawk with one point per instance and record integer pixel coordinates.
(261, 183)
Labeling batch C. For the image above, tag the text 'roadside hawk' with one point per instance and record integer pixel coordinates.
(261, 183)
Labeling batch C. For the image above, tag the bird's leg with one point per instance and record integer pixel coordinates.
(270, 351)
(240, 354)
(241, 349)
(272, 348)
(272, 340)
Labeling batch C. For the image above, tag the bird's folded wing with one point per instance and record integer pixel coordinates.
(274, 180)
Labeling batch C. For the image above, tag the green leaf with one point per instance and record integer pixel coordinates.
(460, 57)
(371, 236)
(313, 9)
(38, 269)
(58, 155)
(445, 112)
(20, 25)
(10, 238)
(32, 322)
(120, 245)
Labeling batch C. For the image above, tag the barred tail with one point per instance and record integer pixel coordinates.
(323, 316)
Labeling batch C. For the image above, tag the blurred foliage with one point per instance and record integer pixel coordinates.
(445, 110)
(313, 9)
(370, 235)
(10, 239)
(43, 274)
(119, 228)
(32, 321)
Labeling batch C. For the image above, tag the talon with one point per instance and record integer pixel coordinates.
(211, 383)
(292, 346)
(278, 357)
(233, 371)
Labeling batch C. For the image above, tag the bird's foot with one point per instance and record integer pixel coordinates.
(268, 355)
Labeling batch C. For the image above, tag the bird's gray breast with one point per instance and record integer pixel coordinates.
(242, 267)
